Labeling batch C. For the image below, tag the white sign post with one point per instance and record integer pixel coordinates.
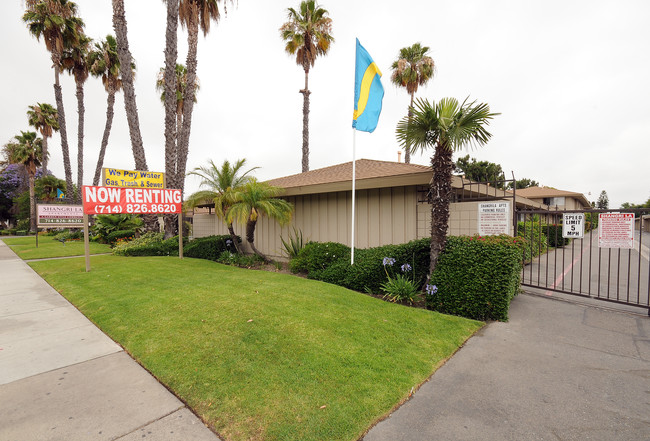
(573, 225)
(494, 218)
(616, 230)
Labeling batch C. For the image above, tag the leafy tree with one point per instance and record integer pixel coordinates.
(56, 23)
(524, 183)
(307, 34)
(221, 184)
(103, 62)
(44, 118)
(603, 201)
(27, 150)
(413, 68)
(126, 72)
(46, 187)
(444, 127)
(255, 199)
(13, 181)
(480, 171)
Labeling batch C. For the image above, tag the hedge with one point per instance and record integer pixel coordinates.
(113, 237)
(533, 239)
(209, 247)
(149, 244)
(477, 277)
(554, 235)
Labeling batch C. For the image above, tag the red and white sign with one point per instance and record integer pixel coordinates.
(111, 200)
(616, 230)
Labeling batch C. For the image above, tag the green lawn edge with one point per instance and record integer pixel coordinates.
(261, 355)
(25, 247)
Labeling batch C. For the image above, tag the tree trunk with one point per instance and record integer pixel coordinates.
(407, 147)
(188, 100)
(305, 122)
(32, 203)
(80, 141)
(233, 237)
(44, 161)
(440, 198)
(62, 129)
(110, 103)
(124, 55)
(171, 110)
(250, 238)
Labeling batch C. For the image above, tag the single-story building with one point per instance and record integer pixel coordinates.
(556, 199)
(391, 206)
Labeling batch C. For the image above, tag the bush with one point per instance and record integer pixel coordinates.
(241, 260)
(210, 247)
(149, 244)
(554, 235)
(65, 235)
(113, 237)
(533, 239)
(318, 256)
(476, 277)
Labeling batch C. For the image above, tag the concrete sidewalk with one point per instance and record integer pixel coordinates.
(555, 371)
(61, 378)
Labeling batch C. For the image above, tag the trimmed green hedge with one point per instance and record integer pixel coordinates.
(554, 235)
(149, 244)
(477, 277)
(534, 240)
(209, 247)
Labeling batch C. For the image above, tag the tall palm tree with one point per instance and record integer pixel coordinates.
(130, 105)
(413, 68)
(192, 14)
(169, 80)
(308, 34)
(44, 118)
(255, 199)
(221, 183)
(27, 150)
(180, 74)
(55, 21)
(74, 60)
(103, 62)
(444, 127)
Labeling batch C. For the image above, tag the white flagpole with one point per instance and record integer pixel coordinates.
(354, 171)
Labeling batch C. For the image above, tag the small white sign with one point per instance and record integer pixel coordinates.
(573, 225)
(616, 230)
(494, 218)
(59, 216)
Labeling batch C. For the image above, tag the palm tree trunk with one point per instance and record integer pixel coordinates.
(440, 197)
(32, 203)
(188, 99)
(250, 238)
(171, 110)
(305, 122)
(233, 237)
(44, 161)
(124, 55)
(407, 148)
(110, 103)
(62, 129)
(80, 140)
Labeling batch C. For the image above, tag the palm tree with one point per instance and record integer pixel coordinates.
(255, 199)
(170, 103)
(308, 34)
(103, 62)
(413, 68)
(44, 118)
(192, 14)
(221, 183)
(130, 105)
(46, 187)
(27, 150)
(181, 85)
(444, 127)
(74, 60)
(55, 21)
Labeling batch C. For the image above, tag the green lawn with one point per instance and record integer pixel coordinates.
(26, 249)
(261, 355)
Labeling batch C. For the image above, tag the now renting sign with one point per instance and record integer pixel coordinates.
(112, 200)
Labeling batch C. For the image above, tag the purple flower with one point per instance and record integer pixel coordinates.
(388, 261)
(431, 289)
(406, 268)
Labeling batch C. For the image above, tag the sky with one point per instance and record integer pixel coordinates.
(570, 79)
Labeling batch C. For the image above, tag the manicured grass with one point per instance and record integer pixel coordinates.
(26, 249)
(261, 355)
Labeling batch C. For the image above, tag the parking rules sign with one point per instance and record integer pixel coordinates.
(616, 230)
(573, 225)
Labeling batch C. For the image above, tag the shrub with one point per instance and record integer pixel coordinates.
(400, 287)
(293, 244)
(65, 235)
(533, 239)
(241, 260)
(106, 224)
(149, 244)
(318, 256)
(22, 224)
(210, 247)
(554, 235)
(113, 237)
(476, 277)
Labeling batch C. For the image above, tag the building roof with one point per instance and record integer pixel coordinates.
(369, 174)
(547, 192)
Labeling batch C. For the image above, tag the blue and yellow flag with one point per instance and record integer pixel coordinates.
(368, 92)
(59, 194)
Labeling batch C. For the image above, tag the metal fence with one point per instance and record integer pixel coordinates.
(587, 266)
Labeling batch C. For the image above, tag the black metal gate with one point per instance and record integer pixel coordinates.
(583, 266)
